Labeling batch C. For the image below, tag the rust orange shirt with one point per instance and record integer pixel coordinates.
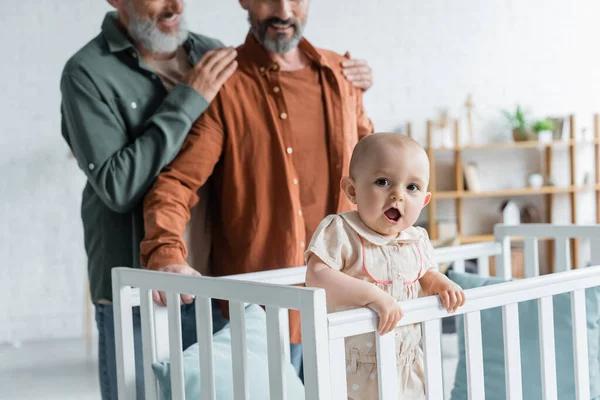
(303, 95)
(245, 141)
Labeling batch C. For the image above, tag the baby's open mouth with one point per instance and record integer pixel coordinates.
(393, 214)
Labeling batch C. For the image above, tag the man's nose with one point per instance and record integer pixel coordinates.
(282, 9)
(176, 6)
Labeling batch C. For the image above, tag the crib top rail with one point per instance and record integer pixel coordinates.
(364, 320)
(541, 231)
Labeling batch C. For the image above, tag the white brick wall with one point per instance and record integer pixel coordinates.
(425, 55)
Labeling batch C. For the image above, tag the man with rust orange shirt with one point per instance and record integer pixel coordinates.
(275, 141)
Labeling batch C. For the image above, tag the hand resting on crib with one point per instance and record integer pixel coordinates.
(435, 283)
(342, 289)
(160, 298)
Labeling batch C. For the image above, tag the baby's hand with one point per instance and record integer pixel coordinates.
(451, 295)
(388, 310)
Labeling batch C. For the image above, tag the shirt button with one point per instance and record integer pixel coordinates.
(283, 115)
(133, 54)
(262, 69)
(295, 181)
(300, 212)
(275, 67)
(276, 89)
(289, 150)
(91, 166)
(394, 249)
(133, 105)
(153, 77)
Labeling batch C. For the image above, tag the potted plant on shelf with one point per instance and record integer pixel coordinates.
(543, 129)
(518, 124)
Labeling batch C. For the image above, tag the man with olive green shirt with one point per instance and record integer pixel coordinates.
(129, 98)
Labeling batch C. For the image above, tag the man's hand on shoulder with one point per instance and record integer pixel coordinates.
(212, 71)
(358, 72)
(160, 298)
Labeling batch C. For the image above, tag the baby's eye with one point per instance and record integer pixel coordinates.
(412, 187)
(382, 182)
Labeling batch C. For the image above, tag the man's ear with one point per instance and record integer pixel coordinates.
(347, 185)
(427, 199)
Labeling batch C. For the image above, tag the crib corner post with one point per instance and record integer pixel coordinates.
(124, 347)
(503, 260)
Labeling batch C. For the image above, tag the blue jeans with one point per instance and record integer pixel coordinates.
(296, 359)
(107, 365)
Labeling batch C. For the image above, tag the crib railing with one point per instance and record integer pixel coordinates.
(161, 327)
(323, 335)
(428, 312)
(583, 235)
(156, 331)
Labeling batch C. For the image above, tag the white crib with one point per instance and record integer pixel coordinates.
(323, 334)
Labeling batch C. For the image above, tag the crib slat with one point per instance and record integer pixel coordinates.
(595, 252)
(175, 346)
(337, 362)
(315, 347)
(161, 333)
(434, 379)
(277, 344)
(562, 254)
(239, 354)
(474, 355)
(512, 351)
(548, 360)
(459, 266)
(148, 340)
(483, 266)
(285, 332)
(386, 366)
(204, 328)
(580, 345)
(503, 260)
(532, 262)
(124, 348)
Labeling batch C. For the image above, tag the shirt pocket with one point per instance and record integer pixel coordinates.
(135, 111)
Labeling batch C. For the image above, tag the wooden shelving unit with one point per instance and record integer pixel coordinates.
(459, 194)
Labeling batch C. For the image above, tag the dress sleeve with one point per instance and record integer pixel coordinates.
(330, 243)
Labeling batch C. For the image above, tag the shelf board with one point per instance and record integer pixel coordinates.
(476, 239)
(467, 239)
(453, 194)
(520, 145)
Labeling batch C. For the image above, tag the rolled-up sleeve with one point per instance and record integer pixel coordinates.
(121, 170)
(168, 203)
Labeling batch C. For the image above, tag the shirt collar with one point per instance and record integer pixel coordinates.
(117, 40)
(409, 235)
(260, 57)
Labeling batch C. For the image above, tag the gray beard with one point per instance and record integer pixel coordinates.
(150, 37)
(280, 44)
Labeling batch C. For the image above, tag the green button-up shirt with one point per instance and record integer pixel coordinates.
(123, 127)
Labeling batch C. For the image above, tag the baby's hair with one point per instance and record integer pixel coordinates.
(370, 144)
